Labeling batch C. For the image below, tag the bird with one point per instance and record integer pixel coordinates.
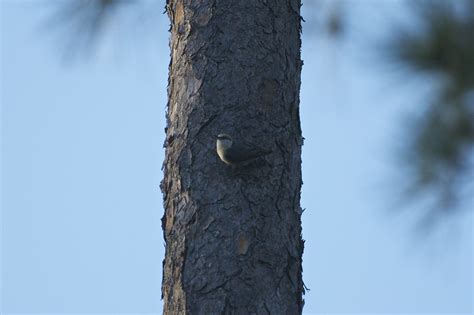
(233, 153)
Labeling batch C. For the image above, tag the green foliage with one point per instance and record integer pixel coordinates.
(444, 43)
(441, 140)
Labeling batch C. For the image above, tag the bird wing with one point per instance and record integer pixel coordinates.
(242, 153)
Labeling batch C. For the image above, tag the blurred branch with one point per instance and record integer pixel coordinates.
(84, 21)
(327, 17)
(441, 142)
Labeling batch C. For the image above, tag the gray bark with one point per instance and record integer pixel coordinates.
(233, 234)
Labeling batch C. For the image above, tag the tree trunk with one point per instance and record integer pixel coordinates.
(233, 233)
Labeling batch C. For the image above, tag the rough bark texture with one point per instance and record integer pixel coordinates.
(233, 234)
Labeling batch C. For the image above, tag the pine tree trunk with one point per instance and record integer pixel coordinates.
(233, 234)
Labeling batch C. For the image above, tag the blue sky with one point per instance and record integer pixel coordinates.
(81, 158)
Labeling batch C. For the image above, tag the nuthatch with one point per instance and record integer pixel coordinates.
(233, 153)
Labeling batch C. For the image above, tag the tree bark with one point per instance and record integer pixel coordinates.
(233, 233)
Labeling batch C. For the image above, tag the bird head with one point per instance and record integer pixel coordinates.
(224, 141)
